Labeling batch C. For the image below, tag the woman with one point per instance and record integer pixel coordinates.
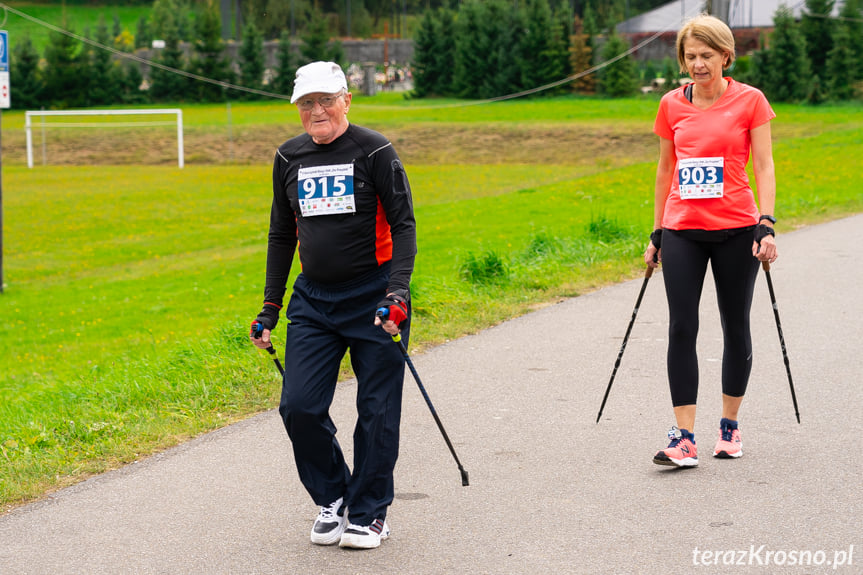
(705, 211)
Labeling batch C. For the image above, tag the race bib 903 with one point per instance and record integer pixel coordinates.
(700, 178)
(326, 190)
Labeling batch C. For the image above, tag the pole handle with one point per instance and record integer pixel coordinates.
(256, 331)
(765, 265)
(384, 313)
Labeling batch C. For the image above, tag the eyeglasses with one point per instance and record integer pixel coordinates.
(307, 104)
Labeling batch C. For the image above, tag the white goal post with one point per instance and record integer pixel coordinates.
(173, 111)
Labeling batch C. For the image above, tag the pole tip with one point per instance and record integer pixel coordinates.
(464, 479)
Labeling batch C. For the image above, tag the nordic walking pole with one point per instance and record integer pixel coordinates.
(647, 273)
(766, 266)
(275, 357)
(383, 313)
(257, 330)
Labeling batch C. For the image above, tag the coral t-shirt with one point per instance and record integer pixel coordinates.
(710, 188)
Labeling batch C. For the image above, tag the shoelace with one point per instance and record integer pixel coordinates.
(328, 512)
(674, 436)
(727, 433)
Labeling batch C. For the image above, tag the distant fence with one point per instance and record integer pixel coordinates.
(356, 51)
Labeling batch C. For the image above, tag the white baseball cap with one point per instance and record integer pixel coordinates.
(324, 77)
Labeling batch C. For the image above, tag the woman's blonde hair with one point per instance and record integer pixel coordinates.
(710, 30)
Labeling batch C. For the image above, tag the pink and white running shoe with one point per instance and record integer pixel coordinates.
(730, 445)
(681, 452)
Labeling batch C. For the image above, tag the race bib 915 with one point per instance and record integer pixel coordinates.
(324, 190)
(701, 178)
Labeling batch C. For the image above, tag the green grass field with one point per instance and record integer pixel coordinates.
(79, 15)
(130, 288)
(74, 16)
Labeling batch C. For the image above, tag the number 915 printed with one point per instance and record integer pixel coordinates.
(326, 181)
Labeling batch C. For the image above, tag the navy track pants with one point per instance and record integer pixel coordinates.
(324, 322)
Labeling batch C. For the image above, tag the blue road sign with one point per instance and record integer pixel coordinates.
(4, 51)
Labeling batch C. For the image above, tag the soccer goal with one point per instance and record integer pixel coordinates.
(103, 124)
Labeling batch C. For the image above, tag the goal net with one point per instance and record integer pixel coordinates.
(102, 119)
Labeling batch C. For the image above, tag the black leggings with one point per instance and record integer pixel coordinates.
(684, 263)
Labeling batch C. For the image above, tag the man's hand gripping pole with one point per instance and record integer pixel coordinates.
(256, 332)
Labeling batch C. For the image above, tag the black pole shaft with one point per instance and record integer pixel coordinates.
(272, 351)
(647, 273)
(766, 266)
(464, 477)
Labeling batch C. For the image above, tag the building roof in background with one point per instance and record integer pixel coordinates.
(741, 14)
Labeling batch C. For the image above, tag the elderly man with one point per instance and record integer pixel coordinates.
(341, 194)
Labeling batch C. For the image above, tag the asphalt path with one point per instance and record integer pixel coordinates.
(551, 491)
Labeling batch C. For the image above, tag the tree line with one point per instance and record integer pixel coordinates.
(72, 73)
(488, 48)
(485, 48)
(812, 60)
(465, 49)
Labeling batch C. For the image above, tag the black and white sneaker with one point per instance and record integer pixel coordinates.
(365, 536)
(329, 525)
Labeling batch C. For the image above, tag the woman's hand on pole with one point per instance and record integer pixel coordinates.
(765, 249)
(653, 253)
(652, 256)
